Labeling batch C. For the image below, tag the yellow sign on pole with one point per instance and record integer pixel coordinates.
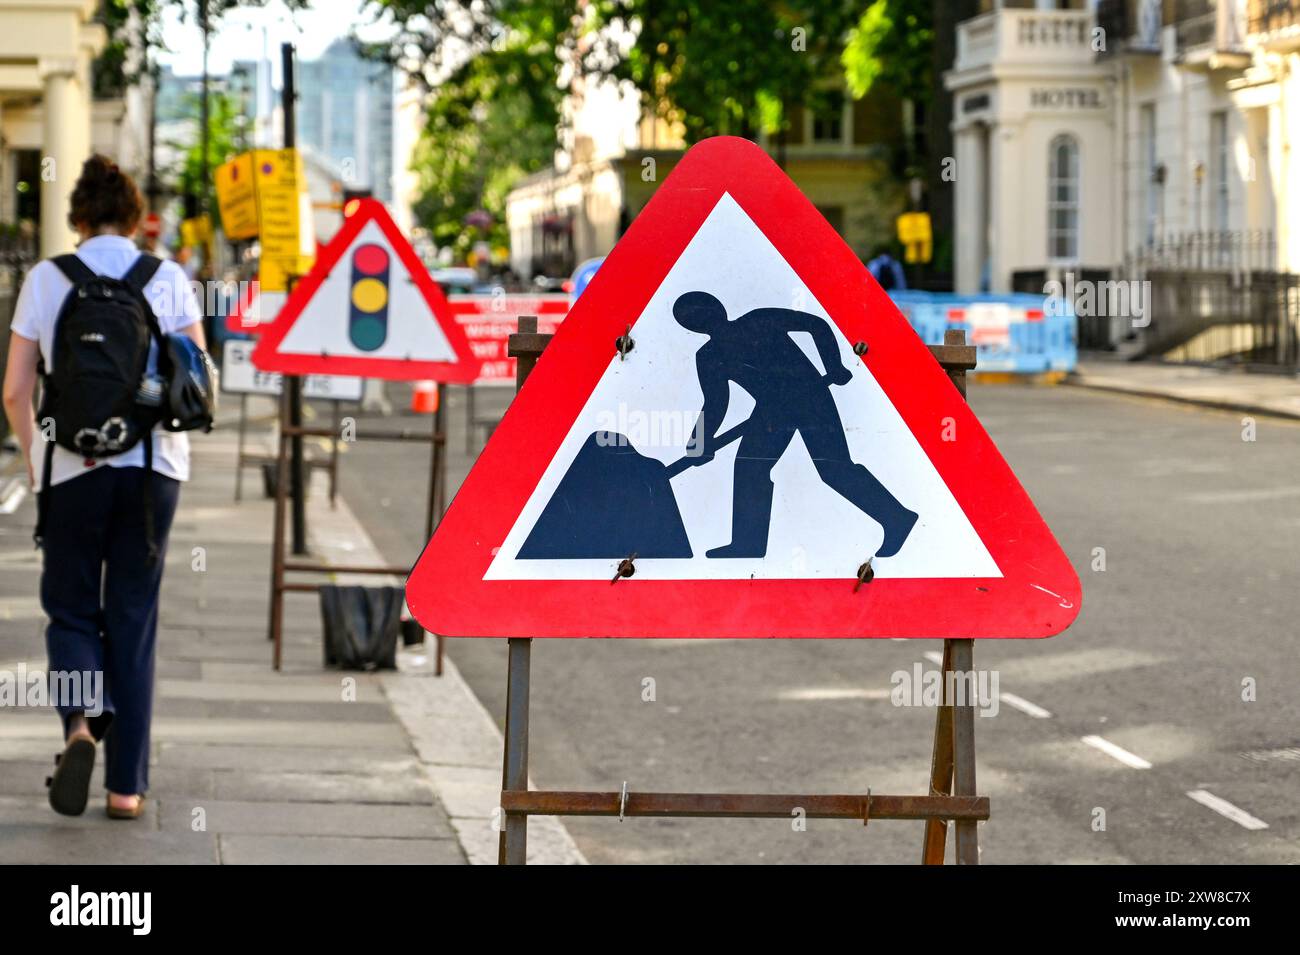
(237, 197)
(263, 194)
(196, 231)
(285, 216)
(915, 234)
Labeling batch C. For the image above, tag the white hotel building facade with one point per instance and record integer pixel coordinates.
(1136, 140)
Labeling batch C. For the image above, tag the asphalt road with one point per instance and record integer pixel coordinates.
(1199, 593)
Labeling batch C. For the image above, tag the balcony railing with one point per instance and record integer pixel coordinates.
(1203, 28)
(1130, 25)
(1025, 36)
(1272, 16)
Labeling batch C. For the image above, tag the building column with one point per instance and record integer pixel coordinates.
(65, 135)
(1006, 185)
(1281, 138)
(969, 205)
(8, 172)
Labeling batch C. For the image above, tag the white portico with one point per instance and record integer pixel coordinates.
(1035, 139)
(46, 51)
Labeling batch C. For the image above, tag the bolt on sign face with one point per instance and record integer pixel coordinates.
(368, 307)
(707, 449)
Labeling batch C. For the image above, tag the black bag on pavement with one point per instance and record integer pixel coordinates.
(361, 626)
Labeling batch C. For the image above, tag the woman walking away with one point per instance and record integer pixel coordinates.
(104, 329)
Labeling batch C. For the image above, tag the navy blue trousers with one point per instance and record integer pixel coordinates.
(101, 595)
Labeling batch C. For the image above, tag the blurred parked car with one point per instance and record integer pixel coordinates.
(458, 280)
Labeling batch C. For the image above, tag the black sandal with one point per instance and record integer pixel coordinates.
(70, 784)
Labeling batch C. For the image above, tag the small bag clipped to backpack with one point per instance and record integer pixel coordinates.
(98, 398)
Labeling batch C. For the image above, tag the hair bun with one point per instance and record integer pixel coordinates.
(100, 168)
(105, 196)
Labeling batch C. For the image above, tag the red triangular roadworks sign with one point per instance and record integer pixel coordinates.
(534, 537)
(254, 310)
(367, 307)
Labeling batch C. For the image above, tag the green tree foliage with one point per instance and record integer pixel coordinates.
(134, 32)
(465, 167)
(892, 43)
(115, 68)
(492, 72)
(496, 72)
(223, 133)
(734, 67)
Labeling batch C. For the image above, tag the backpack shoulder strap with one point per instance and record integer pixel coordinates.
(141, 271)
(136, 278)
(74, 268)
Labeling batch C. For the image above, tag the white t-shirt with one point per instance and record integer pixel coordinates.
(173, 301)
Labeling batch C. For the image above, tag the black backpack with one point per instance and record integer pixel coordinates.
(96, 396)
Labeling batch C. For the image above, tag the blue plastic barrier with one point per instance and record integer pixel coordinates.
(1017, 333)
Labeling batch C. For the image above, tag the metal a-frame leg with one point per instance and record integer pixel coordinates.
(952, 765)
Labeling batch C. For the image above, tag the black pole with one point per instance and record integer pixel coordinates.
(206, 26)
(293, 383)
(152, 68)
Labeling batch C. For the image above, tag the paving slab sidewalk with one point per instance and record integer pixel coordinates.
(251, 766)
(1229, 390)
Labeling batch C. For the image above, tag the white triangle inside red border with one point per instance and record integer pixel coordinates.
(653, 398)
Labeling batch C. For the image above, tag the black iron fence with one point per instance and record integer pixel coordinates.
(1219, 296)
(1235, 250)
(1244, 318)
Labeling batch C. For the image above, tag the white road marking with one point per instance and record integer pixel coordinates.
(1227, 809)
(13, 496)
(1242, 496)
(1072, 665)
(1024, 706)
(818, 693)
(1289, 754)
(1117, 752)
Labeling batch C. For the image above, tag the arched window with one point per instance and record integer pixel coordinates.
(1063, 199)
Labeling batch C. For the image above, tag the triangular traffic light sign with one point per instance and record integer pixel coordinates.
(746, 310)
(367, 307)
(254, 309)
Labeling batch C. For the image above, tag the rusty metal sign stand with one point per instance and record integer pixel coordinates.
(952, 796)
(280, 566)
(246, 459)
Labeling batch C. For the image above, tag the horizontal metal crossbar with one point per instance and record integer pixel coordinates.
(954, 357)
(405, 434)
(307, 567)
(744, 805)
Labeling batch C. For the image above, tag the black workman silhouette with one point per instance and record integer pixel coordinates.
(790, 395)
